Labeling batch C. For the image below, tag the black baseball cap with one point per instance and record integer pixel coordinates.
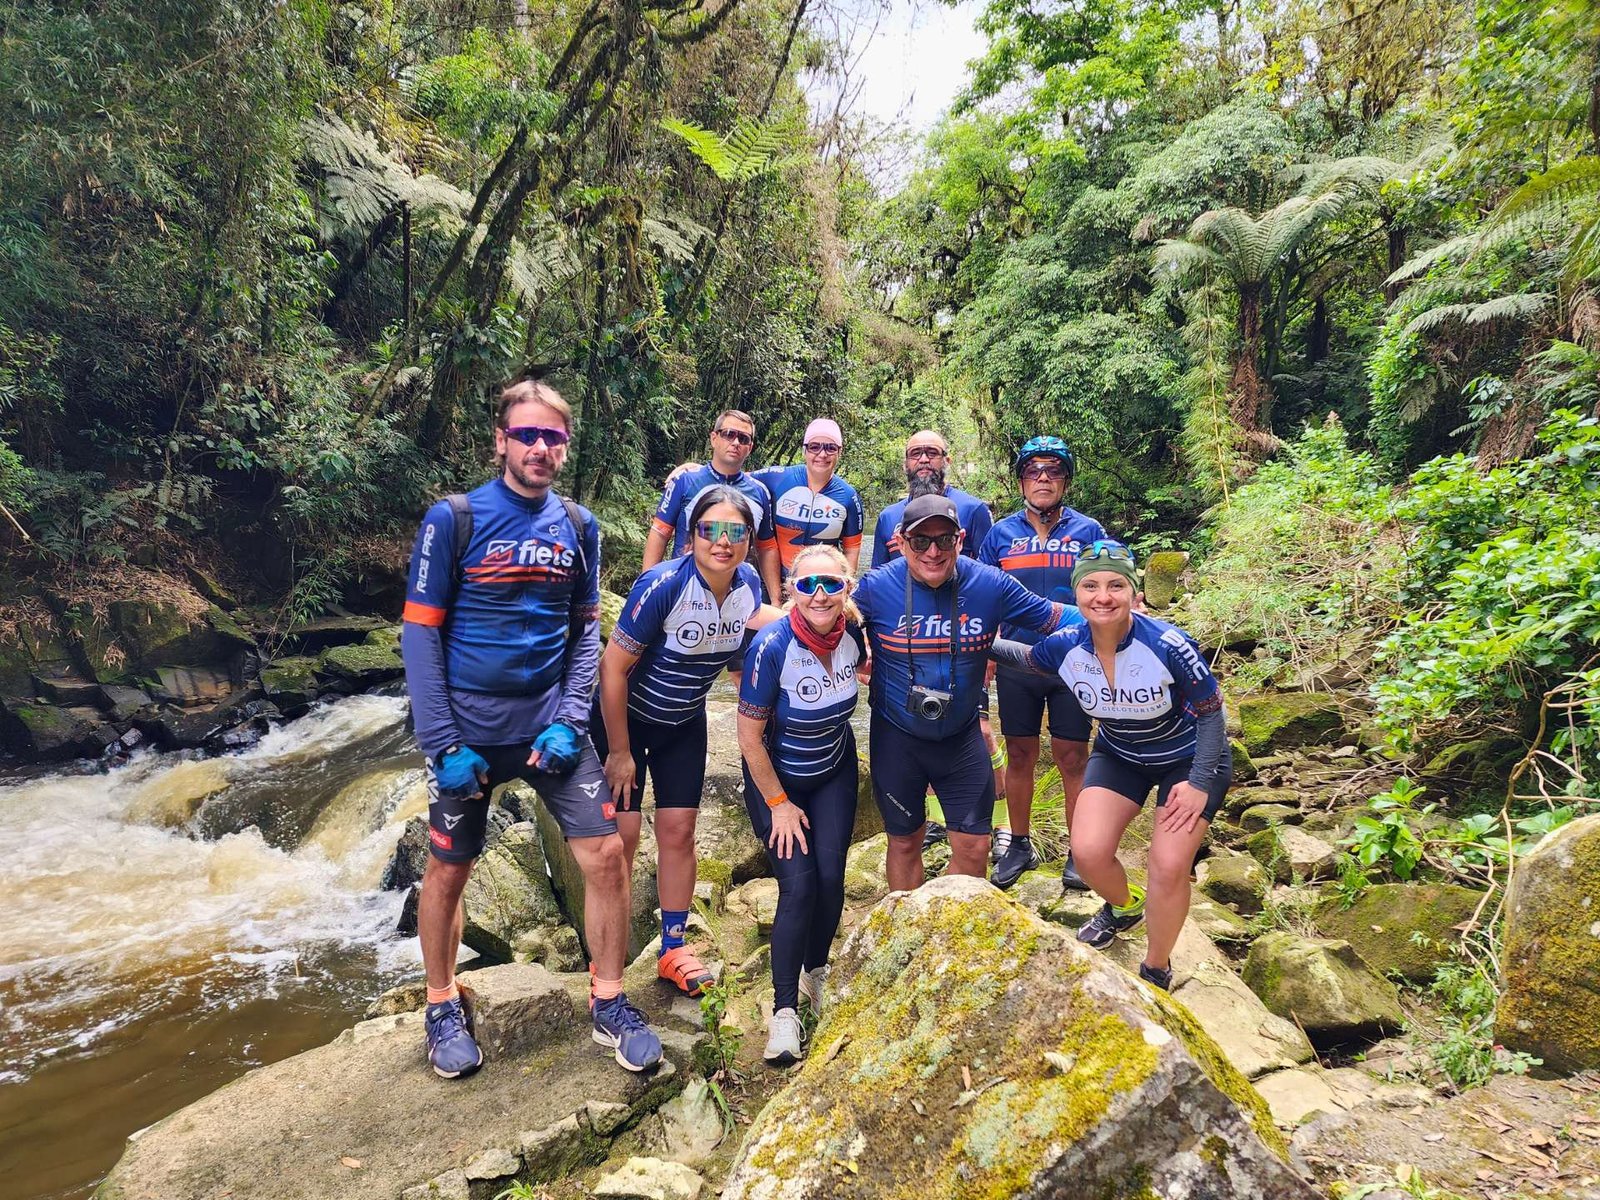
(927, 508)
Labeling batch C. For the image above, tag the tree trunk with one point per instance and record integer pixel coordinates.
(1319, 333)
(1396, 236)
(1249, 395)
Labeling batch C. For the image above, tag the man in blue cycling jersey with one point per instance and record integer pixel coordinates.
(501, 643)
(733, 437)
(1038, 546)
(931, 617)
(927, 463)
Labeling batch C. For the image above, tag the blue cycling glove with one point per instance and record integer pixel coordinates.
(558, 749)
(460, 772)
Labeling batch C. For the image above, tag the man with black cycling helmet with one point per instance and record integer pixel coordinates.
(1038, 545)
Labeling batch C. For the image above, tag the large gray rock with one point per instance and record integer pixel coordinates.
(1255, 1039)
(517, 1008)
(693, 1124)
(974, 1049)
(866, 870)
(1236, 880)
(1322, 985)
(650, 1179)
(1290, 853)
(1283, 719)
(1550, 1005)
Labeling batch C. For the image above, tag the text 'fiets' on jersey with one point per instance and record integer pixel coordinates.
(683, 637)
(802, 517)
(1043, 565)
(912, 644)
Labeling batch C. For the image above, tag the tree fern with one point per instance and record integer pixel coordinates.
(748, 151)
(362, 184)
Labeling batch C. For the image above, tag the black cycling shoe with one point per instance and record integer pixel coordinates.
(1071, 881)
(1161, 978)
(1101, 929)
(934, 835)
(1019, 857)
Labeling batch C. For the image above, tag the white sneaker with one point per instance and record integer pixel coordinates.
(999, 844)
(812, 984)
(783, 1038)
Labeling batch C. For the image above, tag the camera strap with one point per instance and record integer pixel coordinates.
(955, 593)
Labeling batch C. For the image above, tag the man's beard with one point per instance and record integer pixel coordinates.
(933, 485)
(521, 473)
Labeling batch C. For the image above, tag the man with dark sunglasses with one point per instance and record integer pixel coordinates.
(1038, 545)
(501, 641)
(931, 617)
(733, 437)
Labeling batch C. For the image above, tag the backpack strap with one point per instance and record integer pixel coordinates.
(576, 619)
(461, 511)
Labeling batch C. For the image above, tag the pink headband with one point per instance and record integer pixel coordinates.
(822, 427)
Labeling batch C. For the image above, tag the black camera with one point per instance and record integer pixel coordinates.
(930, 704)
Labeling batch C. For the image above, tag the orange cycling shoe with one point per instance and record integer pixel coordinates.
(683, 970)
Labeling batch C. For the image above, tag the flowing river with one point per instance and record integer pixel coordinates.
(173, 922)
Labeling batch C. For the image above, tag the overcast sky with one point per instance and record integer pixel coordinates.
(910, 55)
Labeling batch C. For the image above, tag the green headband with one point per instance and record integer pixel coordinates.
(1089, 563)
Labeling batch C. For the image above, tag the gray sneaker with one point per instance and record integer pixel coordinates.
(999, 843)
(812, 983)
(783, 1038)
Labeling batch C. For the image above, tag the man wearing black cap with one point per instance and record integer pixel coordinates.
(931, 617)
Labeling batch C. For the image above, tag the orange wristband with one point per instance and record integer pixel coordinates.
(780, 798)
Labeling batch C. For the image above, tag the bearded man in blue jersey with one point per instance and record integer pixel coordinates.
(501, 642)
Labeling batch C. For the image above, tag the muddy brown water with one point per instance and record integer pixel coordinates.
(173, 923)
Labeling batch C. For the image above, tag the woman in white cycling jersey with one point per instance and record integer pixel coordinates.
(1161, 728)
(795, 703)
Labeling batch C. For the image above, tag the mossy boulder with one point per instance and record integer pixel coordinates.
(290, 683)
(1322, 985)
(1161, 574)
(1282, 719)
(508, 894)
(1550, 1004)
(611, 606)
(1244, 771)
(45, 732)
(973, 1050)
(1268, 816)
(1385, 922)
(1236, 880)
(869, 818)
(1474, 774)
(866, 872)
(360, 666)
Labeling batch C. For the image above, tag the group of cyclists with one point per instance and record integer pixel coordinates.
(758, 573)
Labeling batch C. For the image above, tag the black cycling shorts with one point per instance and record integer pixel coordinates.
(958, 768)
(1134, 780)
(579, 802)
(674, 756)
(1024, 698)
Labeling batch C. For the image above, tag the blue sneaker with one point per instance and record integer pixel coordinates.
(451, 1051)
(622, 1026)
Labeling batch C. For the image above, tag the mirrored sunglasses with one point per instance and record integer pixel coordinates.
(551, 435)
(807, 585)
(1104, 548)
(715, 531)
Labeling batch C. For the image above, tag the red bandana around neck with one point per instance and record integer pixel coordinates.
(820, 644)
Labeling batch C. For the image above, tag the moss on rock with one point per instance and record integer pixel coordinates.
(1550, 1005)
(362, 665)
(1284, 719)
(1403, 929)
(1161, 574)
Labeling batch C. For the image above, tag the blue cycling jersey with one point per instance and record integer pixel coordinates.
(975, 519)
(677, 502)
(497, 670)
(806, 701)
(802, 517)
(682, 636)
(1160, 685)
(1043, 565)
(920, 654)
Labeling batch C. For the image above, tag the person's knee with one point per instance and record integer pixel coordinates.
(605, 863)
(905, 845)
(1071, 757)
(1023, 751)
(446, 879)
(675, 835)
(1168, 868)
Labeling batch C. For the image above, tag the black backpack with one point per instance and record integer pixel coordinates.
(461, 510)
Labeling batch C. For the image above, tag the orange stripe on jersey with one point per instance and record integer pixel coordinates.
(850, 542)
(662, 527)
(1017, 562)
(423, 614)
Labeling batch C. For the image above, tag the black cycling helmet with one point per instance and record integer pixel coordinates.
(1044, 447)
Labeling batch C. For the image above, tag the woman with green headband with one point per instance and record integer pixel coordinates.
(1161, 728)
